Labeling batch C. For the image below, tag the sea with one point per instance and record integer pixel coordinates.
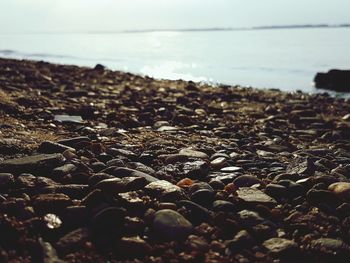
(277, 58)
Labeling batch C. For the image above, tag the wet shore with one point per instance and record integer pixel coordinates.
(98, 165)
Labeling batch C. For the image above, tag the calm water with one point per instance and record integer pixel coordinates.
(281, 58)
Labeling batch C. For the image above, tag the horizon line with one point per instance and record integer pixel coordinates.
(204, 29)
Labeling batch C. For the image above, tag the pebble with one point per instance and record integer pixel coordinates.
(133, 247)
(51, 202)
(341, 189)
(254, 196)
(246, 181)
(280, 246)
(38, 164)
(53, 147)
(276, 190)
(196, 169)
(69, 119)
(72, 241)
(165, 190)
(107, 226)
(193, 153)
(240, 241)
(224, 206)
(6, 180)
(334, 248)
(171, 225)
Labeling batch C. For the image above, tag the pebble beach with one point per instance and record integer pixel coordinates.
(106, 166)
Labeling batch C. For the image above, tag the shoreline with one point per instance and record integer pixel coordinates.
(124, 167)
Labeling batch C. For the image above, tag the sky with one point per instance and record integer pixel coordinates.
(26, 16)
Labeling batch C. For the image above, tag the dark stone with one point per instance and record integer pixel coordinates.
(171, 225)
(107, 227)
(334, 79)
(224, 206)
(246, 181)
(72, 241)
(240, 241)
(276, 190)
(281, 246)
(6, 181)
(53, 147)
(37, 164)
(197, 213)
(71, 142)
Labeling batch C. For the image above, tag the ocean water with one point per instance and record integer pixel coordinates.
(287, 59)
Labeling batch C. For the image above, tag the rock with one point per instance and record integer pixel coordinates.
(133, 247)
(107, 226)
(331, 247)
(280, 246)
(60, 171)
(53, 147)
(218, 163)
(246, 181)
(68, 119)
(72, 241)
(334, 79)
(240, 241)
(127, 172)
(52, 221)
(99, 67)
(231, 169)
(224, 206)
(196, 169)
(317, 197)
(197, 243)
(276, 190)
(193, 153)
(37, 164)
(254, 196)
(49, 254)
(197, 213)
(341, 189)
(202, 193)
(131, 200)
(249, 218)
(44, 203)
(165, 190)
(6, 181)
(301, 166)
(71, 142)
(171, 225)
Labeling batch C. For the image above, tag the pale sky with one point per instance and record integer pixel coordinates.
(21, 16)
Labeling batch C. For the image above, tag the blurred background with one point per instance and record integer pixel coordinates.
(260, 43)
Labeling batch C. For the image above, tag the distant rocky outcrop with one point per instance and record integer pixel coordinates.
(335, 79)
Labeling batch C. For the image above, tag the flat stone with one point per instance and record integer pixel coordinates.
(255, 196)
(193, 153)
(73, 141)
(171, 225)
(72, 241)
(280, 246)
(37, 164)
(127, 172)
(341, 189)
(166, 190)
(53, 147)
(68, 119)
(246, 181)
(49, 254)
(6, 180)
(330, 247)
(132, 247)
(51, 202)
(196, 169)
